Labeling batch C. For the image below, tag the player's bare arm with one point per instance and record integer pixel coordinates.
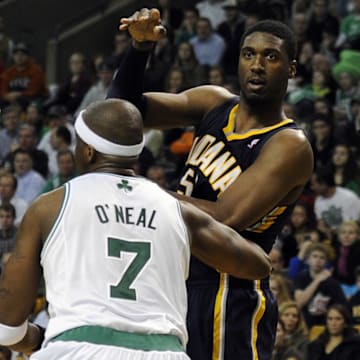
(282, 169)
(165, 110)
(212, 242)
(21, 276)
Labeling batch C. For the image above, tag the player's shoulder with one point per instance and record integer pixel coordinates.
(291, 148)
(291, 137)
(48, 200)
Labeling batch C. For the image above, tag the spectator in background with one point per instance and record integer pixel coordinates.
(348, 89)
(345, 169)
(159, 64)
(295, 328)
(30, 182)
(67, 170)
(328, 43)
(320, 18)
(72, 90)
(208, 46)
(316, 288)
(213, 10)
(8, 186)
(320, 85)
(35, 116)
(121, 42)
(304, 74)
(333, 204)
(174, 81)
(299, 223)
(27, 139)
(279, 286)
(217, 75)
(277, 260)
(60, 139)
(231, 31)
(56, 116)
(24, 81)
(9, 134)
(322, 138)
(323, 106)
(187, 28)
(339, 340)
(298, 263)
(320, 62)
(99, 90)
(348, 255)
(7, 229)
(185, 59)
(349, 37)
(299, 24)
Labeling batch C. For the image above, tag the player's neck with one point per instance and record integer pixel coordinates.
(108, 168)
(250, 117)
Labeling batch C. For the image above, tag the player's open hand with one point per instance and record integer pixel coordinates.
(144, 25)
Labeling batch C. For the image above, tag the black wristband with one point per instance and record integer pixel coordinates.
(128, 81)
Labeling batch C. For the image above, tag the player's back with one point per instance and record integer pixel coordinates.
(117, 257)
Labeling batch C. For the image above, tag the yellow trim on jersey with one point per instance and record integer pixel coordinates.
(259, 313)
(268, 220)
(219, 318)
(229, 128)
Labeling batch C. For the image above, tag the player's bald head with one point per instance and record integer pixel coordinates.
(115, 120)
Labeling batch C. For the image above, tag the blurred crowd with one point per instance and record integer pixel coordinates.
(316, 259)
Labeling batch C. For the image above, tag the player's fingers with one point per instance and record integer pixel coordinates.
(159, 31)
(125, 21)
(134, 16)
(144, 14)
(154, 14)
(123, 27)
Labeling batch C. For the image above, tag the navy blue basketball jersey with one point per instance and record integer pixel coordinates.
(218, 156)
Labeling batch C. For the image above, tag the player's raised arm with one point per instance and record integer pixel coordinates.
(219, 246)
(161, 110)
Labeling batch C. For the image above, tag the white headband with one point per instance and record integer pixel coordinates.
(102, 145)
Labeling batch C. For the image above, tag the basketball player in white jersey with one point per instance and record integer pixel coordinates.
(114, 250)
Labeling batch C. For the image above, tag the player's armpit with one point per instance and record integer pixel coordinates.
(219, 246)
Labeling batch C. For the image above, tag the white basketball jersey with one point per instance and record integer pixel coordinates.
(117, 257)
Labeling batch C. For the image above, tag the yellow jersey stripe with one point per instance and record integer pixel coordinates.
(258, 314)
(229, 128)
(219, 318)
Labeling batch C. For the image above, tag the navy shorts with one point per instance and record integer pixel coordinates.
(229, 322)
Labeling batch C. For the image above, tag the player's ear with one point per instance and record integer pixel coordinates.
(90, 153)
(292, 69)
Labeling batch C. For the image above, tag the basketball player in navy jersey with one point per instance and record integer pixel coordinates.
(247, 167)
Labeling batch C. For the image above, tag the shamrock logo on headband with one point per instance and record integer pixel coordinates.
(124, 185)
